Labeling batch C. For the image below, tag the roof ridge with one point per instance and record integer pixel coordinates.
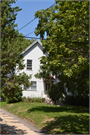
(31, 45)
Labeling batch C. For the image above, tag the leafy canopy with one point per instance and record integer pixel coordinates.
(11, 48)
(67, 44)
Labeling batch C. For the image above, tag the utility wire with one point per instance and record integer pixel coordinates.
(27, 24)
(34, 18)
(29, 33)
(42, 39)
(20, 36)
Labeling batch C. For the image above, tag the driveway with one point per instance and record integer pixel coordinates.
(14, 125)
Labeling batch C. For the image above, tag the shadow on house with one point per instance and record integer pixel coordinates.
(6, 129)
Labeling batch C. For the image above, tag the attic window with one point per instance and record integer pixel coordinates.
(29, 64)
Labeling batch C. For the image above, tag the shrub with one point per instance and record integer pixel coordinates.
(17, 97)
(31, 100)
(56, 92)
(77, 100)
(3, 98)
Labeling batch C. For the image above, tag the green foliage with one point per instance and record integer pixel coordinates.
(11, 48)
(77, 100)
(16, 98)
(31, 100)
(56, 92)
(67, 44)
(3, 98)
(11, 89)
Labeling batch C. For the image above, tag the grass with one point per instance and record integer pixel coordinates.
(52, 119)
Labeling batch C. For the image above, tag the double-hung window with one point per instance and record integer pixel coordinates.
(29, 64)
(34, 85)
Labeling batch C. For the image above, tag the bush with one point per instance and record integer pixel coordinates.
(77, 100)
(56, 92)
(3, 98)
(17, 97)
(31, 100)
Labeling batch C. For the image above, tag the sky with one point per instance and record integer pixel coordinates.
(29, 7)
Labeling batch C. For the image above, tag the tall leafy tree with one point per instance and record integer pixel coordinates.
(11, 48)
(67, 44)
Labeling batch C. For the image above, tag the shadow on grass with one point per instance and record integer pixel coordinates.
(69, 123)
(59, 109)
(11, 130)
(72, 124)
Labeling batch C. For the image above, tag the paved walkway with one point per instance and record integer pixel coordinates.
(15, 125)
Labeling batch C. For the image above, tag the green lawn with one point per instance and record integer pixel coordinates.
(52, 119)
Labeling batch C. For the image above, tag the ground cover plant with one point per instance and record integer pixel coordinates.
(34, 99)
(52, 119)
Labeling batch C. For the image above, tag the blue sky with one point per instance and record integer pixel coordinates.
(29, 7)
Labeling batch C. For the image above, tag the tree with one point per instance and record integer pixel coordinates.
(11, 48)
(67, 44)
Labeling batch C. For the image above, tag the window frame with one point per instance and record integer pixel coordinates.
(30, 89)
(34, 85)
(29, 65)
(47, 85)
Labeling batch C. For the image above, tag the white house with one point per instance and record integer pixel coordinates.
(32, 56)
(32, 65)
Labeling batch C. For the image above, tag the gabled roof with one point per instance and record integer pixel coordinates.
(37, 41)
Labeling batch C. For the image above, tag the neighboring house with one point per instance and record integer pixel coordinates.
(32, 65)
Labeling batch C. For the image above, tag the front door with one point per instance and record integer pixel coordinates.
(47, 85)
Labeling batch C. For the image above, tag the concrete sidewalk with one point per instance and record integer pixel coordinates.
(14, 125)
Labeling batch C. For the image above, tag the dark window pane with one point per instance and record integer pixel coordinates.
(49, 86)
(68, 89)
(46, 86)
(29, 64)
